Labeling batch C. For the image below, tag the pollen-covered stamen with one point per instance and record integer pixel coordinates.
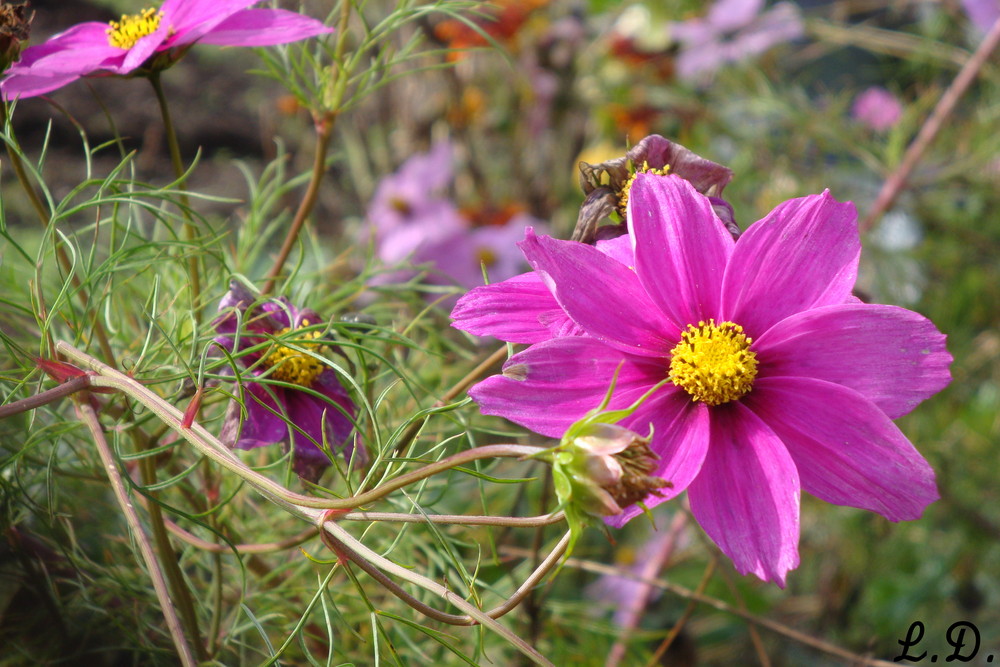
(713, 362)
(133, 27)
(644, 169)
(292, 365)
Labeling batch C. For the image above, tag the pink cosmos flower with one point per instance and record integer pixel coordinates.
(301, 400)
(781, 380)
(126, 45)
(877, 108)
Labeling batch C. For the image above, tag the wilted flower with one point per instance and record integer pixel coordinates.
(294, 394)
(14, 30)
(780, 380)
(877, 108)
(521, 309)
(130, 43)
(732, 31)
(607, 184)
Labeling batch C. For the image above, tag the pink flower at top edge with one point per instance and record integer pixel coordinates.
(88, 48)
(782, 381)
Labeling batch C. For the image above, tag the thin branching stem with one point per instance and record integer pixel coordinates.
(929, 130)
(88, 416)
(376, 565)
(57, 393)
(324, 123)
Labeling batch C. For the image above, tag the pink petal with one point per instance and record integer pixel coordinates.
(893, 357)
(511, 310)
(190, 20)
(680, 438)
(803, 255)
(846, 450)
(601, 295)
(264, 27)
(552, 384)
(746, 496)
(144, 48)
(18, 85)
(681, 247)
(263, 424)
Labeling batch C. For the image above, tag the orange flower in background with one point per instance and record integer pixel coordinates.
(500, 20)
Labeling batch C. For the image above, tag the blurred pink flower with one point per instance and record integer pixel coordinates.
(414, 220)
(126, 45)
(877, 108)
(781, 379)
(733, 30)
(982, 13)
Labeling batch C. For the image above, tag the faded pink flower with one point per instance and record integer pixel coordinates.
(877, 108)
(128, 44)
(781, 380)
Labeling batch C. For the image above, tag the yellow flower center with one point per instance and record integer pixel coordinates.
(294, 366)
(644, 169)
(131, 28)
(713, 362)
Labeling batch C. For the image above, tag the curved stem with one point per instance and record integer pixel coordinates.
(211, 447)
(458, 519)
(375, 565)
(190, 232)
(58, 392)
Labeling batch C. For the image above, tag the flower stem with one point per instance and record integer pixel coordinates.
(190, 231)
(212, 448)
(324, 123)
(928, 131)
(58, 392)
(88, 416)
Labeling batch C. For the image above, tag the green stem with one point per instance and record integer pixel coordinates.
(89, 417)
(190, 231)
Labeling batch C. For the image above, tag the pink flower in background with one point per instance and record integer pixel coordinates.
(732, 31)
(877, 108)
(126, 45)
(309, 407)
(414, 220)
(780, 379)
(982, 13)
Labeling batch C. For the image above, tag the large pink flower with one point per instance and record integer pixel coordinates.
(780, 379)
(125, 45)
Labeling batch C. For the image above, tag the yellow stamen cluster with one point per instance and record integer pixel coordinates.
(644, 169)
(294, 366)
(133, 27)
(713, 362)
